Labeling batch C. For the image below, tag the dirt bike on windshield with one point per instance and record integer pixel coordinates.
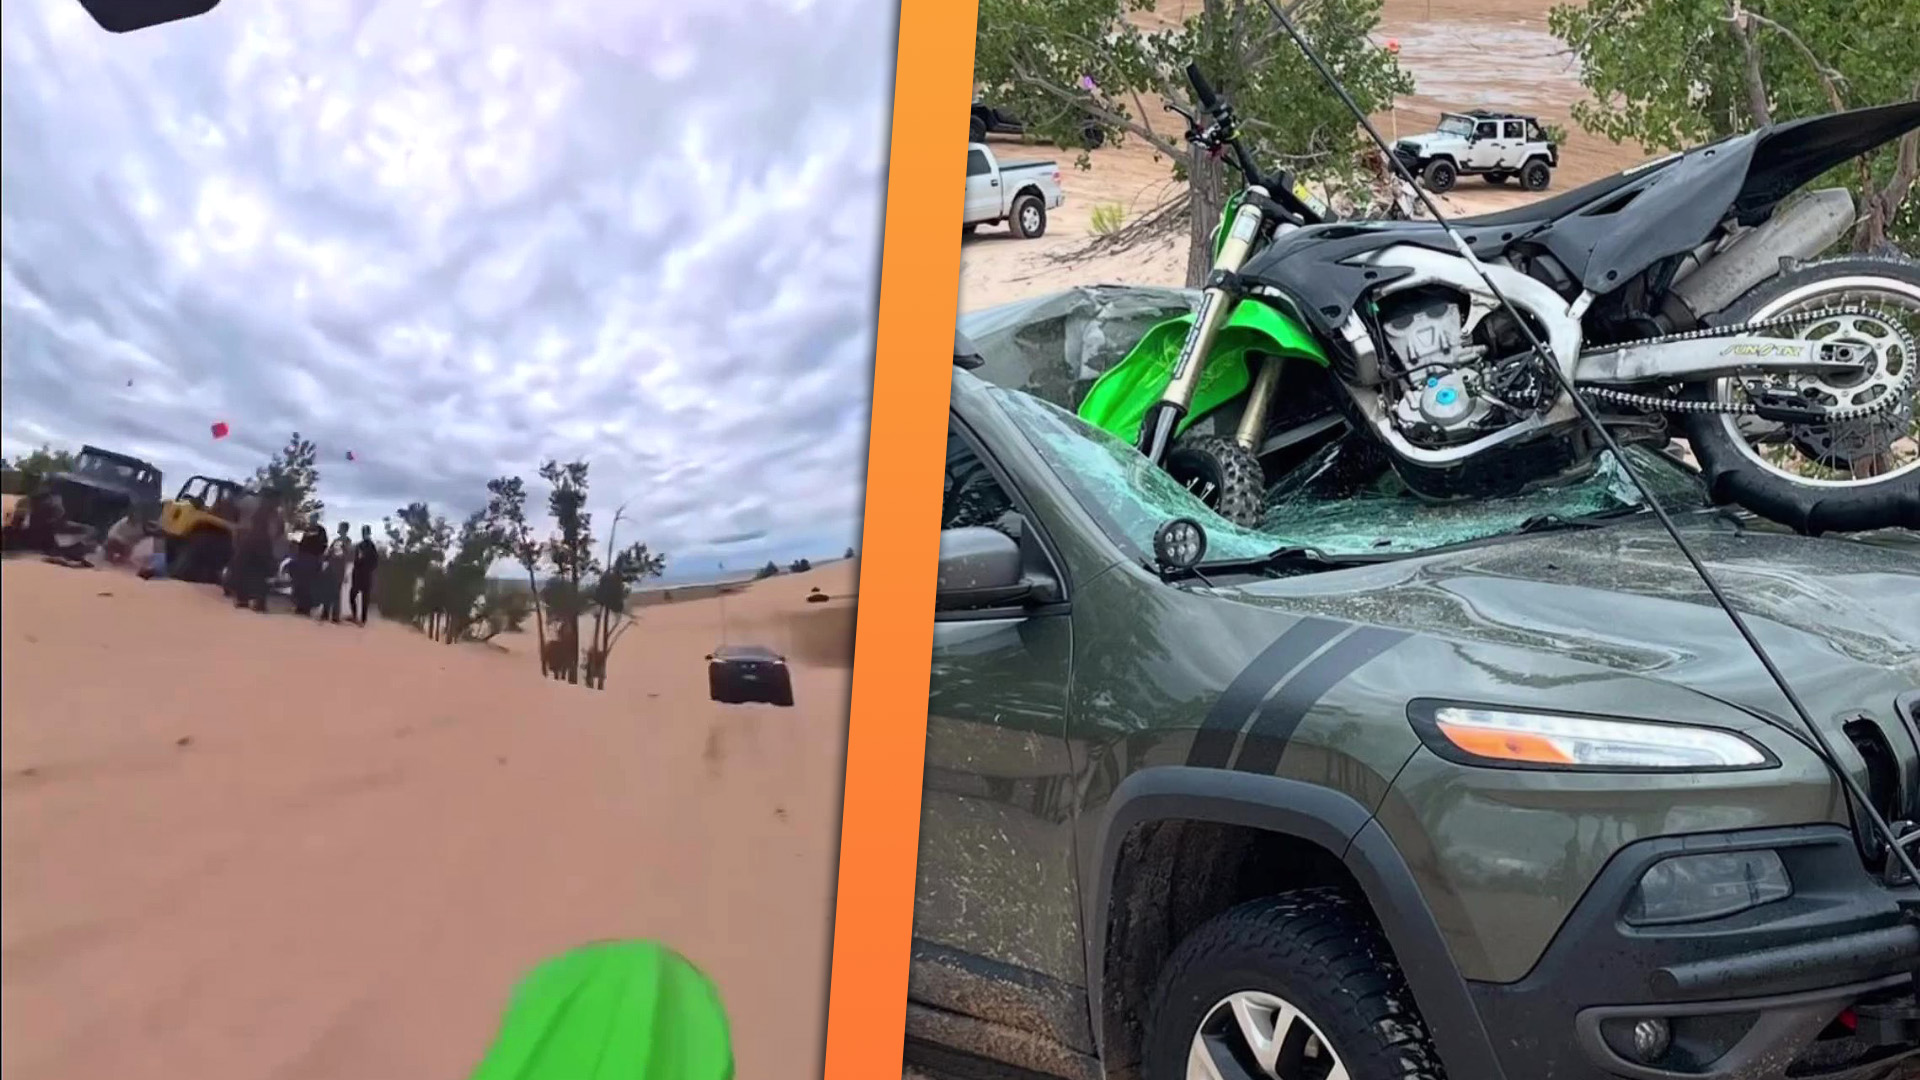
(1686, 297)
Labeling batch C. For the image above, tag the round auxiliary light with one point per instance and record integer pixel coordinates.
(1651, 1038)
(1179, 544)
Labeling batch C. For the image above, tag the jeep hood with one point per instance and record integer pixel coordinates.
(1837, 616)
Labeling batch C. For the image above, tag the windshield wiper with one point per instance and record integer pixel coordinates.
(1543, 523)
(1289, 561)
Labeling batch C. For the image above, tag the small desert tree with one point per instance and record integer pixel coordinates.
(507, 517)
(611, 593)
(1058, 62)
(29, 471)
(292, 475)
(463, 585)
(1668, 73)
(407, 587)
(569, 551)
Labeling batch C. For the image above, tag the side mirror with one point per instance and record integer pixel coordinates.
(979, 567)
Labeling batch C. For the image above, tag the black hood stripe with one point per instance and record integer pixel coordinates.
(1213, 742)
(1281, 715)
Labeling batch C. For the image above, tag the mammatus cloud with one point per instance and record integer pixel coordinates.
(455, 239)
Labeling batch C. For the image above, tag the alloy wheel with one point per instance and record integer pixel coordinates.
(1253, 1035)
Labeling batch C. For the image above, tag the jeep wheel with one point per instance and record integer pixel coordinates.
(1495, 178)
(1299, 986)
(1029, 217)
(1535, 176)
(1440, 175)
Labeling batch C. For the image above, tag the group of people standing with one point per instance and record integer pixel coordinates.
(321, 565)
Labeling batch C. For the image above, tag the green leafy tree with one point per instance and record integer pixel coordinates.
(611, 592)
(1671, 73)
(772, 569)
(570, 552)
(28, 472)
(293, 476)
(799, 566)
(507, 517)
(849, 555)
(407, 588)
(461, 589)
(1057, 62)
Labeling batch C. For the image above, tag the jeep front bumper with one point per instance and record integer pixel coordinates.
(1818, 985)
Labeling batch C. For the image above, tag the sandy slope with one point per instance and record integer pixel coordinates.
(1462, 53)
(345, 879)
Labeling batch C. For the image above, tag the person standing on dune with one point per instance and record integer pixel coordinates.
(366, 559)
(333, 572)
(306, 567)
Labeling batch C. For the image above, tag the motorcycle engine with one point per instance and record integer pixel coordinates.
(1442, 389)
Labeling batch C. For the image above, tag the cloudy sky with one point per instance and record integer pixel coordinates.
(456, 238)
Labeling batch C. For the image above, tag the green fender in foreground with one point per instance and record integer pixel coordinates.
(1119, 399)
(631, 1010)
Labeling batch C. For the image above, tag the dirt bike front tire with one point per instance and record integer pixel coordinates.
(1223, 474)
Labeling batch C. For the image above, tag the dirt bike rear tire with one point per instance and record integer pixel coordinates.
(1733, 477)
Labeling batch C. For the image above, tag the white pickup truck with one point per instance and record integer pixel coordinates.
(1019, 193)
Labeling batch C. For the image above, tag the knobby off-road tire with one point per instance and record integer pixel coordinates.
(1732, 472)
(1029, 217)
(1223, 474)
(1319, 951)
(1535, 175)
(1439, 175)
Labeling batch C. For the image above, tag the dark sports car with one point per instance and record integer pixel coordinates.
(739, 674)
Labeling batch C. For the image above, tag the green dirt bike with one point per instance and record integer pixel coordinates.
(617, 1010)
(1682, 298)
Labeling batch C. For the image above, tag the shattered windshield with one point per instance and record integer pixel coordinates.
(1040, 355)
(1344, 500)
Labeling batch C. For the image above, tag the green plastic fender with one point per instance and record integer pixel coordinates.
(632, 1010)
(1119, 399)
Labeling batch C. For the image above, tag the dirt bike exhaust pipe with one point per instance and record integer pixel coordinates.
(1800, 231)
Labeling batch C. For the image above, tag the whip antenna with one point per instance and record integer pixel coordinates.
(1824, 749)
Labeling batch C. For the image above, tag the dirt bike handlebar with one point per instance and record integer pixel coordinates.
(1226, 133)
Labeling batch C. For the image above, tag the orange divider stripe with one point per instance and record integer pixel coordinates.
(893, 643)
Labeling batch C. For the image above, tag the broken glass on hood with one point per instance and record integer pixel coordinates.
(1342, 499)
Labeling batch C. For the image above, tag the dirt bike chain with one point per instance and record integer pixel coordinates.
(1667, 404)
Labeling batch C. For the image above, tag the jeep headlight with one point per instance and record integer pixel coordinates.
(1507, 738)
(1694, 888)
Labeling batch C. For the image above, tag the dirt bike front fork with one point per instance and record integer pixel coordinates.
(1162, 421)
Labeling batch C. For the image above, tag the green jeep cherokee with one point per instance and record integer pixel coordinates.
(1480, 792)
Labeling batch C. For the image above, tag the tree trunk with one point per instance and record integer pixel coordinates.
(539, 623)
(1207, 179)
(1881, 206)
(1756, 83)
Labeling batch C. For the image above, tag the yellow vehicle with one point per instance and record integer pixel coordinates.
(198, 526)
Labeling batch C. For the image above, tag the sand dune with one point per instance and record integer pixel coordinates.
(345, 878)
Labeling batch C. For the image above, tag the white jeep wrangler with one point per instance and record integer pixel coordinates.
(1492, 145)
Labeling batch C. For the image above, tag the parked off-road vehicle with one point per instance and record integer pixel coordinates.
(104, 485)
(1491, 145)
(985, 120)
(1390, 790)
(199, 524)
